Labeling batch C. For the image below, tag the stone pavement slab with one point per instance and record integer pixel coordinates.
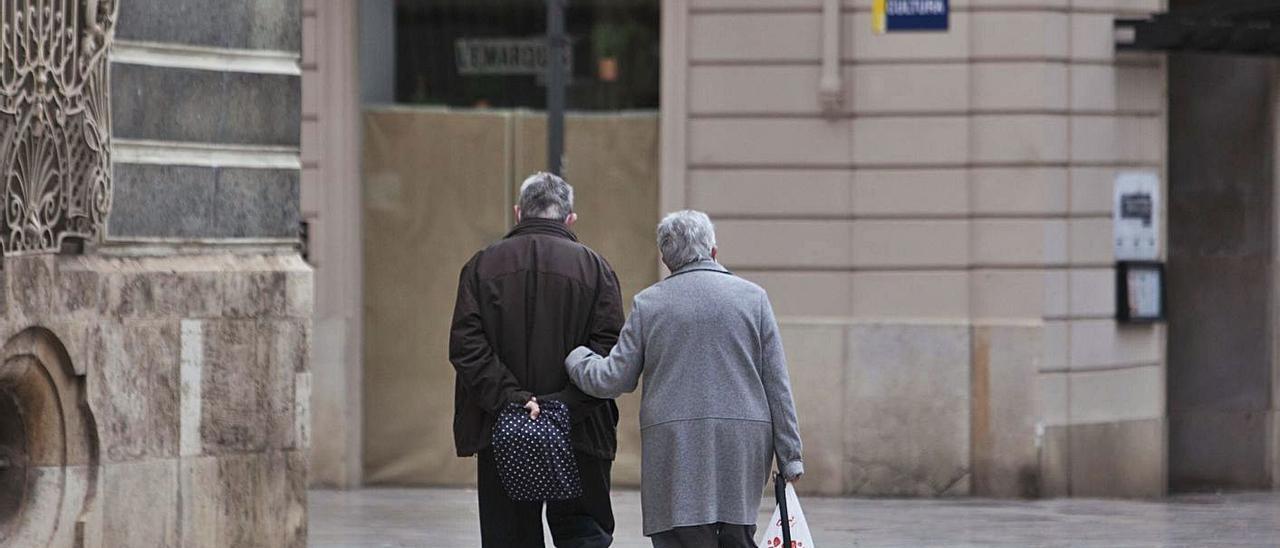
(447, 517)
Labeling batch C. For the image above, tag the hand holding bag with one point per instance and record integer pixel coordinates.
(788, 527)
(534, 457)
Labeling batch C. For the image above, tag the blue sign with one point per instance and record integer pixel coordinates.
(910, 15)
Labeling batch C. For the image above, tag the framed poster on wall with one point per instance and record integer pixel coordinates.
(1140, 293)
(1136, 215)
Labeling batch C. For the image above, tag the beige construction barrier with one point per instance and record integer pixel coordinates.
(439, 185)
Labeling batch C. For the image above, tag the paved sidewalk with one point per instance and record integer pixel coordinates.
(447, 517)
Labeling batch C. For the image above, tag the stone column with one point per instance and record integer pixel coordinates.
(331, 198)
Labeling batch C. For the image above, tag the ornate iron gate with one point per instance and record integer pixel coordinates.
(55, 122)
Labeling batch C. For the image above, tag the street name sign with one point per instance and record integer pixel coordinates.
(505, 56)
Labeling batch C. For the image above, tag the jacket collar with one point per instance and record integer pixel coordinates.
(549, 227)
(709, 265)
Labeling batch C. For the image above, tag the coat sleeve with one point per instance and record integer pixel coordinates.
(489, 383)
(606, 318)
(777, 388)
(605, 322)
(619, 372)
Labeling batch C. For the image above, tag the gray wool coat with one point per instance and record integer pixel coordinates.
(717, 403)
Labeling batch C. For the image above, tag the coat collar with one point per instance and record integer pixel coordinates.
(549, 227)
(709, 265)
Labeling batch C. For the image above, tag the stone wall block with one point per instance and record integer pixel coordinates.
(302, 411)
(181, 104)
(1115, 459)
(244, 501)
(330, 409)
(252, 24)
(1004, 408)
(32, 283)
(50, 520)
(133, 390)
(252, 203)
(820, 244)
(189, 294)
(815, 354)
(155, 201)
(234, 388)
(247, 388)
(79, 520)
(254, 294)
(286, 343)
(297, 464)
(201, 501)
(164, 294)
(130, 296)
(80, 293)
(1054, 462)
(1118, 459)
(150, 488)
(907, 410)
(300, 294)
(283, 348)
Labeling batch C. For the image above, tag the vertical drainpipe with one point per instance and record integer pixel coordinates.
(831, 85)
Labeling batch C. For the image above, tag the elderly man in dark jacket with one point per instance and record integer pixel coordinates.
(523, 304)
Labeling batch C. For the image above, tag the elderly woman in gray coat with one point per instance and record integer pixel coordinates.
(717, 403)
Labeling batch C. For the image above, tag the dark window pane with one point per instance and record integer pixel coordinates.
(489, 53)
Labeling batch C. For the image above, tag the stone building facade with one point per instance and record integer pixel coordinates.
(938, 245)
(155, 312)
(932, 215)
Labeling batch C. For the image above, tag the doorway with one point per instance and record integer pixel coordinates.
(1221, 272)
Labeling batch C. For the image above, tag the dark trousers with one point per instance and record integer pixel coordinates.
(713, 535)
(585, 522)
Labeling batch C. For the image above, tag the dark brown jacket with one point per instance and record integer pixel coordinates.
(523, 304)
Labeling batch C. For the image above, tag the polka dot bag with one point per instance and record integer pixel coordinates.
(534, 458)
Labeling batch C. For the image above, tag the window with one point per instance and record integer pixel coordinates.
(490, 53)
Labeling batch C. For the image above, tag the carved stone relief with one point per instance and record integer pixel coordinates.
(55, 122)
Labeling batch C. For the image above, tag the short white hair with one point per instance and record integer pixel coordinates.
(546, 196)
(684, 237)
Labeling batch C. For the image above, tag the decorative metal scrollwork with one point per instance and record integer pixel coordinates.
(55, 122)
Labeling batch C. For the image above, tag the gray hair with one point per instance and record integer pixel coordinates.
(546, 196)
(684, 237)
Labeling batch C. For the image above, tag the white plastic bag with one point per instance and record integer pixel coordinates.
(800, 537)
